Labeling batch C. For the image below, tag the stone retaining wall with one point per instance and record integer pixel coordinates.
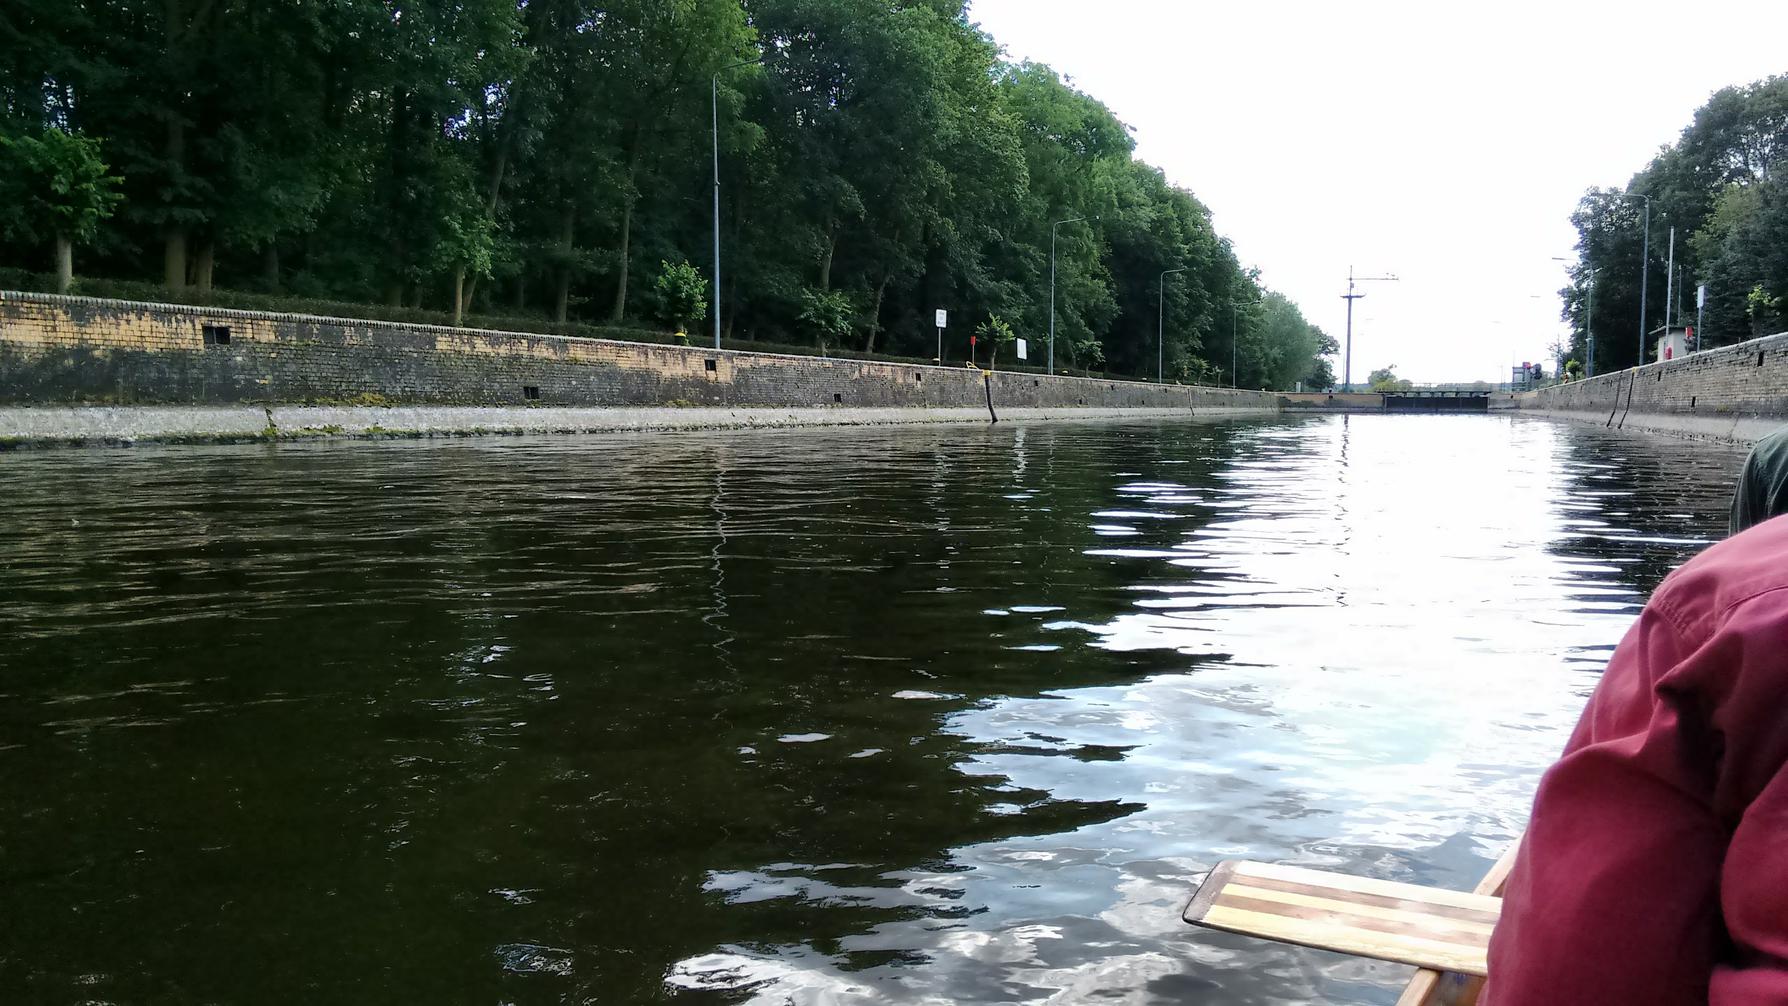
(68, 350)
(1732, 393)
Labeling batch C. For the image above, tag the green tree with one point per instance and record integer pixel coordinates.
(57, 188)
(827, 314)
(466, 246)
(1717, 186)
(994, 333)
(681, 295)
(1321, 376)
(1385, 381)
(881, 163)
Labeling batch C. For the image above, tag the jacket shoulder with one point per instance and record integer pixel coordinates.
(1700, 595)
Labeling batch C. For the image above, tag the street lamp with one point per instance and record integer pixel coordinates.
(1161, 327)
(1235, 334)
(1589, 321)
(714, 96)
(1053, 228)
(1644, 264)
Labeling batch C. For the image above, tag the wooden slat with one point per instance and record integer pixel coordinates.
(1406, 923)
(1441, 988)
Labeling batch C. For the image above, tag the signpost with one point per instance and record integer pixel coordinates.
(1700, 317)
(943, 321)
(1023, 351)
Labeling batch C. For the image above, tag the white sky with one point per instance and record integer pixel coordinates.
(1445, 143)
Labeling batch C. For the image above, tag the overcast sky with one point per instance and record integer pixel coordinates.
(1443, 143)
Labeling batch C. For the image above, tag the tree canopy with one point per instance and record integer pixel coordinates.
(1724, 186)
(878, 160)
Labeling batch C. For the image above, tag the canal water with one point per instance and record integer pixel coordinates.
(920, 715)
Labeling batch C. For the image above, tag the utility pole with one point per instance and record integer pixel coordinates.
(1644, 276)
(714, 99)
(1161, 327)
(1350, 296)
(1670, 282)
(1053, 228)
(1589, 327)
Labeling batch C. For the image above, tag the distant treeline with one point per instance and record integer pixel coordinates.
(1724, 187)
(878, 160)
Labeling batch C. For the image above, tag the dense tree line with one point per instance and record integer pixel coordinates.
(1724, 187)
(878, 160)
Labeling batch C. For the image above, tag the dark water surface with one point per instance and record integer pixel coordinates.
(921, 715)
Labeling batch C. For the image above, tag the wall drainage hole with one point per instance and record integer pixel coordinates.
(530, 392)
(216, 335)
(1760, 358)
(918, 377)
(1692, 401)
(711, 365)
(837, 397)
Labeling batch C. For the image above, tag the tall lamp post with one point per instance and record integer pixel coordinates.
(714, 97)
(1161, 327)
(1350, 297)
(1053, 228)
(1589, 321)
(1644, 265)
(1235, 335)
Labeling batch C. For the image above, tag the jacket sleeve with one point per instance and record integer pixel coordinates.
(1614, 894)
(1654, 869)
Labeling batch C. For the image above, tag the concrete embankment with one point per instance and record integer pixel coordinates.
(1732, 394)
(81, 369)
(49, 425)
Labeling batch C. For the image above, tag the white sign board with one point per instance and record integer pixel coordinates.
(1701, 296)
(943, 318)
(1023, 350)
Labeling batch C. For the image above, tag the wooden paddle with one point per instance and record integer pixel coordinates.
(1442, 988)
(1406, 923)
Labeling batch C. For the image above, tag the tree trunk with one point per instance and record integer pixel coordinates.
(203, 265)
(490, 207)
(64, 263)
(459, 294)
(562, 297)
(629, 197)
(270, 267)
(173, 259)
(875, 316)
(620, 310)
(826, 260)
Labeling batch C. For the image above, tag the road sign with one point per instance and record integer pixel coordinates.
(943, 318)
(1701, 296)
(1023, 350)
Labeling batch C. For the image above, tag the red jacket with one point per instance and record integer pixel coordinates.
(1655, 868)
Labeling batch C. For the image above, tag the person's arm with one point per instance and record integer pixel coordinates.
(1614, 895)
(1655, 868)
(1747, 508)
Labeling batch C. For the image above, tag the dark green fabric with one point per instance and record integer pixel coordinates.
(1762, 490)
